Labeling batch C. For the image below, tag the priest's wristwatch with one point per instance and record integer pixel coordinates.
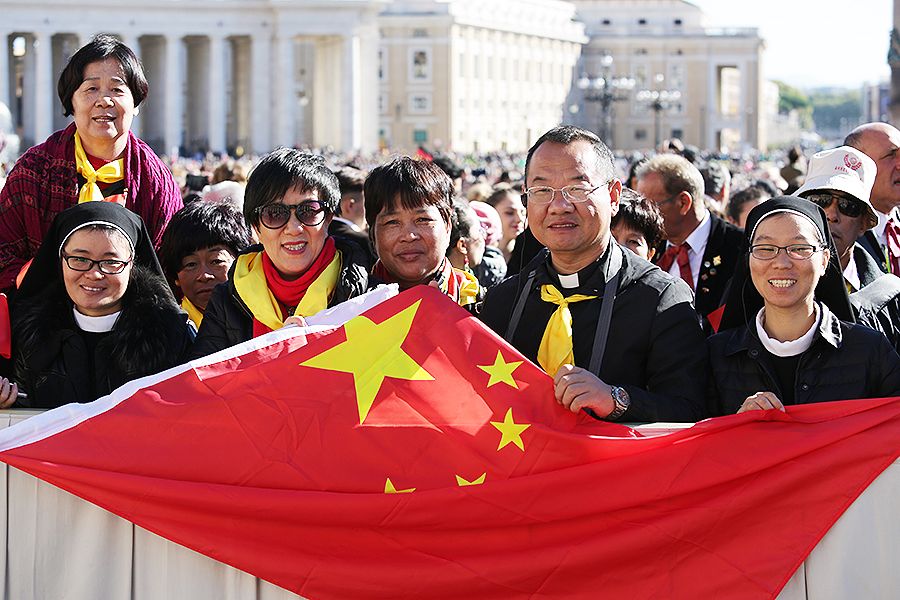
(622, 401)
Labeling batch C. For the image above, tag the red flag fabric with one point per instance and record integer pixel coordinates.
(412, 453)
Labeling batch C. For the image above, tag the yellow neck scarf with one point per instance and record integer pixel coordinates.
(194, 313)
(108, 173)
(468, 288)
(556, 345)
(250, 283)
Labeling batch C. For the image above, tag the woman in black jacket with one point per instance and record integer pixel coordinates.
(94, 310)
(298, 269)
(787, 335)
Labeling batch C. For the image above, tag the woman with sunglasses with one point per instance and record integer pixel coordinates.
(94, 310)
(787, 336)
(297, 269)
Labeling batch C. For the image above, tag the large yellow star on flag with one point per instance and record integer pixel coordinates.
(501, 371)
(372, 352)
(511, 431)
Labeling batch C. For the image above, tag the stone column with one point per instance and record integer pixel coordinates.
(216, 93)
(351, 97)
(261, 93)
(285, 92)
(4, 68)
(174, 101)
(43, 86)
(131, 40)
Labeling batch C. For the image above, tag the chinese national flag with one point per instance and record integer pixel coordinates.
(411, 453)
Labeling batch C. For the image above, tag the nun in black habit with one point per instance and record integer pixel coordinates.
(94, 310)
(787, 334)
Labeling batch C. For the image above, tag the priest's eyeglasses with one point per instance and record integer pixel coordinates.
(795, 251)
(575, 194)
(107, 265)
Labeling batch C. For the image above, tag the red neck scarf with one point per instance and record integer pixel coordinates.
(289, 293)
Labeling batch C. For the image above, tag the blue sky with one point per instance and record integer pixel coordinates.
(814, 43)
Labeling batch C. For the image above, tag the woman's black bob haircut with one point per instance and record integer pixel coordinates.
(283, 170)
(198, 226)
(100, 48)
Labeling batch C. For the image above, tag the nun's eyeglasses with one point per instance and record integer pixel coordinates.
(107, 266)
(795, 251)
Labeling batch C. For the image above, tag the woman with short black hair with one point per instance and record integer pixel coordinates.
(95, 158)
(297, 269)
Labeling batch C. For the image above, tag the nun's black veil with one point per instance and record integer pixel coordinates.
(743, 301)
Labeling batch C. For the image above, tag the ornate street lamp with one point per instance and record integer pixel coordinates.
(605, 89)
(658, 100)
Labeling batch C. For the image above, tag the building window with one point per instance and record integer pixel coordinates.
(606, 22)
(420, 104)
(640, 134)
(383, 103)
(420, 64)
(677, 133)
(420, 33)
(642, 21)
(677, 22)
(382, 64)
(420, 136)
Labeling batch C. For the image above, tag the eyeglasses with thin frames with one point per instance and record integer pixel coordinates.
(107, 266)
(795, 251)
(574, 194)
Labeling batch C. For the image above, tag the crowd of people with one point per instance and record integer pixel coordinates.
(671, 287)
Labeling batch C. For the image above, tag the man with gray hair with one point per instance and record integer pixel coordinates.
(619, 337)
(701, 248)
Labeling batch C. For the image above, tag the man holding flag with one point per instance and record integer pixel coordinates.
(618, 335)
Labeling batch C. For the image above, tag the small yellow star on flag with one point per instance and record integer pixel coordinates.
(390, 489)
(371, 353)
(501, 371)
(464, 482)
(512, 431)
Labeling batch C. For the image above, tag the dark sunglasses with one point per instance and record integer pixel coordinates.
(849, 207)
(276, 216)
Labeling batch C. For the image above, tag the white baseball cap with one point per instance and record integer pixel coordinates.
(843, 169)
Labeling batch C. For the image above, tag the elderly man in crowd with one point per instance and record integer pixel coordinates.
(840, 181)
(880, 142)
(701, 248)
(619, 336)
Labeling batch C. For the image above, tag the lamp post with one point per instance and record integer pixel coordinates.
(658, 100)
(605, 89)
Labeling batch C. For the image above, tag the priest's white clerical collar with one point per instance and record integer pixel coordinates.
(568, 281)
(95, 324)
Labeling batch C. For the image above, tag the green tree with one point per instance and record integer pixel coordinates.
(836, 112)
(790, 98)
